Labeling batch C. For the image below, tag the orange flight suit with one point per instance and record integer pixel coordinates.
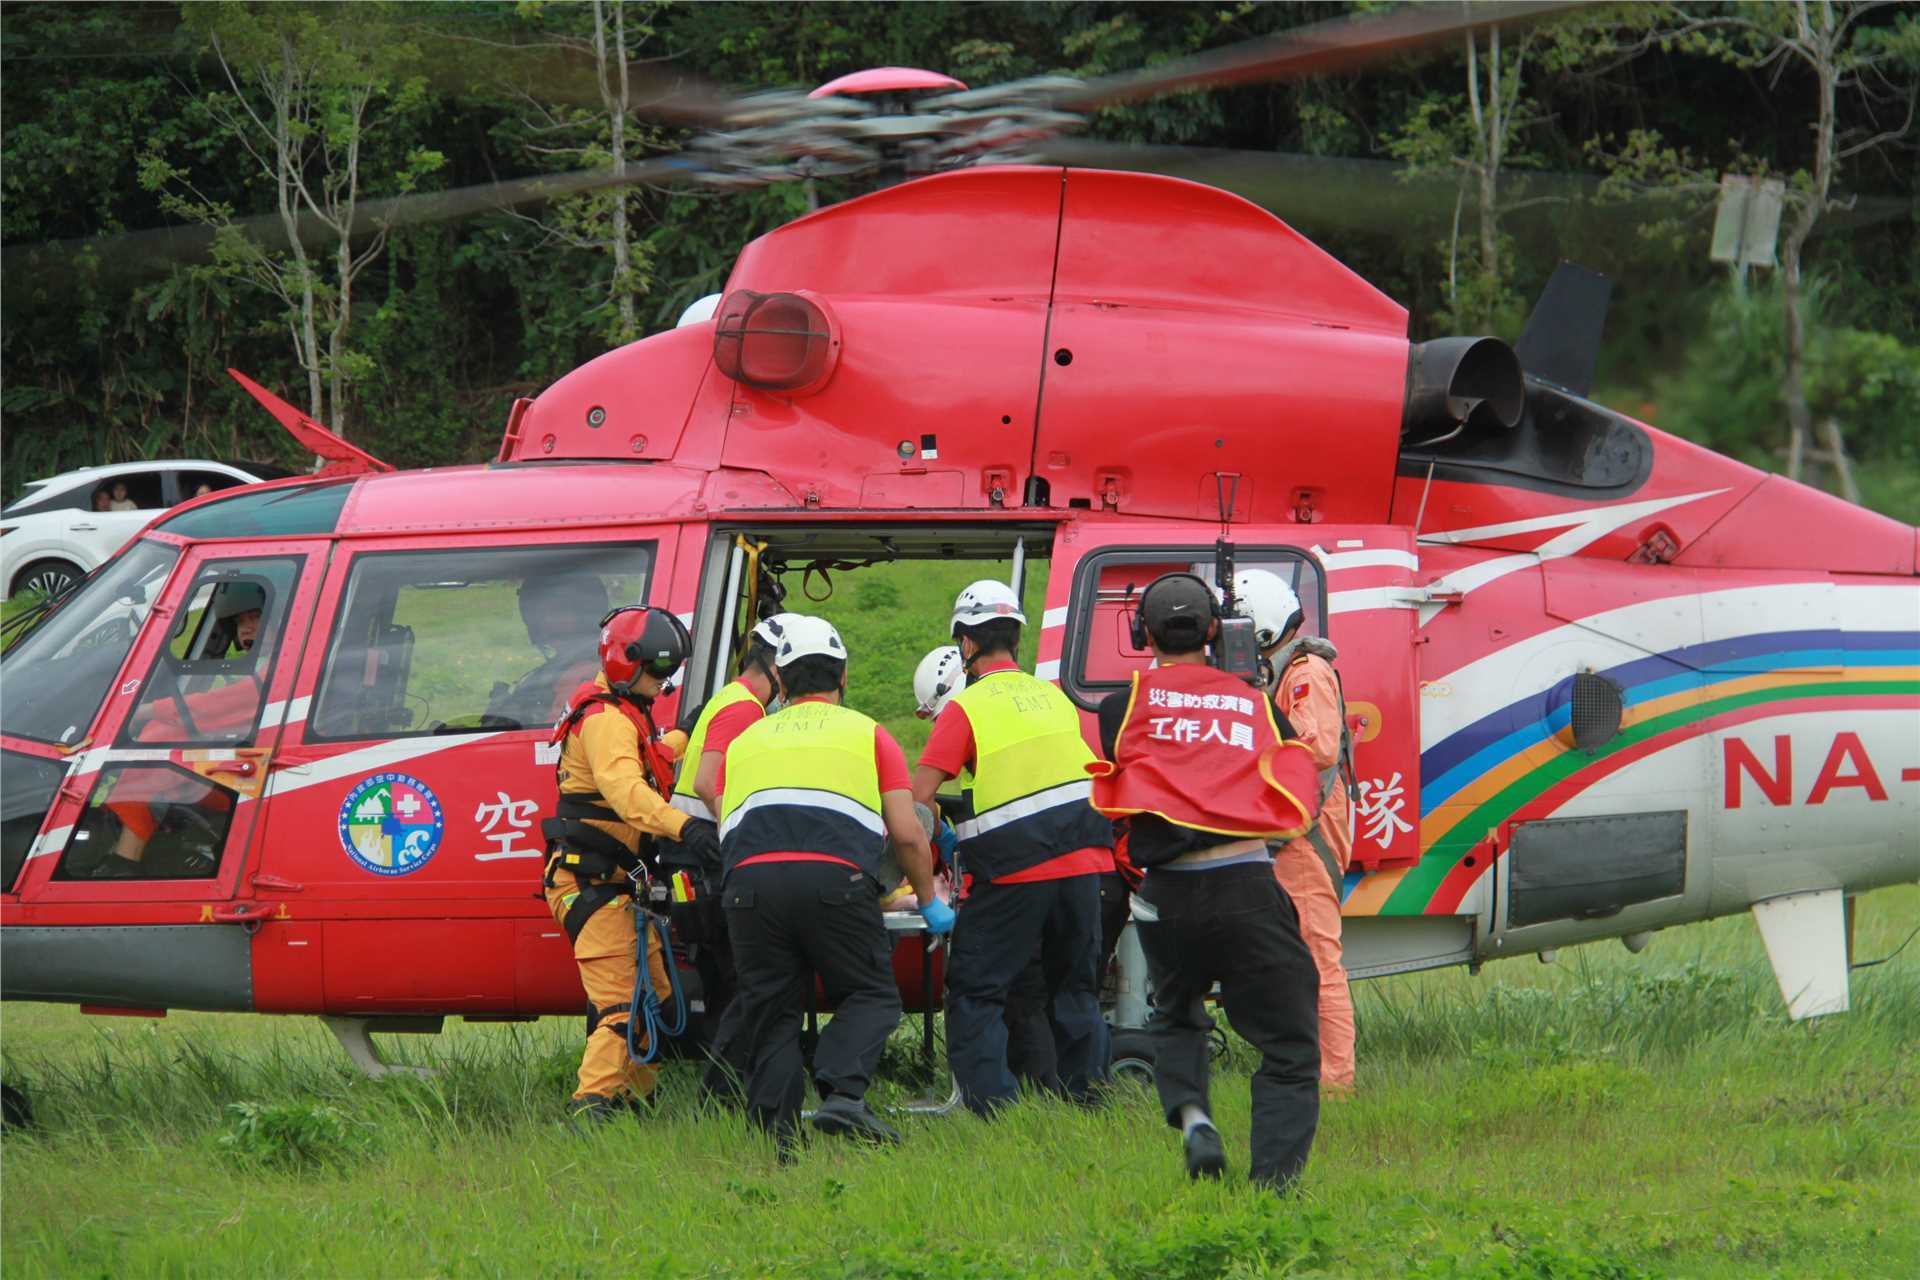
(602, 757)
(1309, 696)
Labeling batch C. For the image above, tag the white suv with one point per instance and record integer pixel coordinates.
(58, 529)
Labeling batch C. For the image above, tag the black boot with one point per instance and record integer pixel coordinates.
(848, 1117)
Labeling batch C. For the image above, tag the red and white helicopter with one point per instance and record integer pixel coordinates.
(1602, 681)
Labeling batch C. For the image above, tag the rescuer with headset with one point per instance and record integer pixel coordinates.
(728, 714)
(1197, 768)
(1034, 850)
(808, 799)
(615, 771)
(1312, 867)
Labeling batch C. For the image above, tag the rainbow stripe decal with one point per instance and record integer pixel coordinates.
(1509, 767)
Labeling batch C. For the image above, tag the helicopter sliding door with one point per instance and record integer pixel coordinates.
(1351, 581)
(404, 815)
(1354, 585)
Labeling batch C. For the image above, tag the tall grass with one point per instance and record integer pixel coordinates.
(1609, 1115)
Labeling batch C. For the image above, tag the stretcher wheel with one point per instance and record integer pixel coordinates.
(1132, 1056)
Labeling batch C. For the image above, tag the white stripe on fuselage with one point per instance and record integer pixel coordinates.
(1495, 680)
(1588, 527)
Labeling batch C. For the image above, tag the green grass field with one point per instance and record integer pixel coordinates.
(1607, 1116)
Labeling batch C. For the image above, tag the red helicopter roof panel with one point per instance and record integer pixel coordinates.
(631, 403)
(1142, 239)
(886, 80)
(454, 499)
(980, 231)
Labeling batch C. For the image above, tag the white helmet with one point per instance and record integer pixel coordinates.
(808, 637)
(1269, 600)
(940, 675)
(768, 631)
(699, 311)
(984, 601)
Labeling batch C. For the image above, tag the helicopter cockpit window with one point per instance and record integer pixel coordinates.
(1101, 656)
(209, 683)
(149, 822)
(468, 641)
(32, 784)
(58, 674)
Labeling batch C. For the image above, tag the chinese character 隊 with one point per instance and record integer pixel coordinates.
(1379, 809)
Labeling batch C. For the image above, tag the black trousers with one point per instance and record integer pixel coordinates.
(1235, 926)
(999, 929)
(1029, 1017)
(789, 921)
(727, 1061)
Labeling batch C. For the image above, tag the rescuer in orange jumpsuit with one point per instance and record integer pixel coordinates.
(614, 775)
(1311, 867)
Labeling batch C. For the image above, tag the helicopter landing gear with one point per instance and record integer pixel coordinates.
(356, 1037)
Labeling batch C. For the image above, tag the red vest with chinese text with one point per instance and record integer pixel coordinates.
(1200, 748)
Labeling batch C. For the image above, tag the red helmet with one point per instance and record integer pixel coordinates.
(635, 639)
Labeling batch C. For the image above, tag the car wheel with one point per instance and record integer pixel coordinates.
(48, 577)
(1132, 1056)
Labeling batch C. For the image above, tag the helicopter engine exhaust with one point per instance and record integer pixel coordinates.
(1454, 383)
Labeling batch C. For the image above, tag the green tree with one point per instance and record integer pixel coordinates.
(305, 97)
(1849, 56)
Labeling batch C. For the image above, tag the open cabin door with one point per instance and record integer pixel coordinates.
(1352, 583)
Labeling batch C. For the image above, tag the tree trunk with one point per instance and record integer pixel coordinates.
(617, 122)
(306, 337)
(1823, 55)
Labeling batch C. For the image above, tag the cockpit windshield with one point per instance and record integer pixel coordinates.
(56, 676)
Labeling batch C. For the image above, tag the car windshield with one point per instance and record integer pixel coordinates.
(58, 674)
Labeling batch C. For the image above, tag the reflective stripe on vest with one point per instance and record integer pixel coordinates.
(1030, 785)
(804, 780)
(684, 797)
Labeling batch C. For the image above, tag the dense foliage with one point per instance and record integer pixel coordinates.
(125, 118)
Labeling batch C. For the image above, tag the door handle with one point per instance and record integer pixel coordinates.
(84, 528)
(243, 768)
(240, 912)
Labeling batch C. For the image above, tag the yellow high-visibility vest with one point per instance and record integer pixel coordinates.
(684, 796)
(804, 780)
(1030, 784)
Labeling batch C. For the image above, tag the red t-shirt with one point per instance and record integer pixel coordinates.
(889, 760)
(950, 749)
(730, 724)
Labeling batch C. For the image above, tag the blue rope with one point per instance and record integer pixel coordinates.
(645, 1017)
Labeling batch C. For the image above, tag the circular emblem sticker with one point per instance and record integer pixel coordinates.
(391, 824)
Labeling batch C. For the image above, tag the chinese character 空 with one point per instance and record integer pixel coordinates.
(518, 817)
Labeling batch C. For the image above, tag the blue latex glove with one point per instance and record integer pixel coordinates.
(938, 915)
(945, 841)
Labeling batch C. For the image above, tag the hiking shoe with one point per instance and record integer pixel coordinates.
(595, 1110)
(851, 1118)
(1206, 1158)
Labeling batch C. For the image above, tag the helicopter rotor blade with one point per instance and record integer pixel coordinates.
(160, 247)
(1335, 45)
